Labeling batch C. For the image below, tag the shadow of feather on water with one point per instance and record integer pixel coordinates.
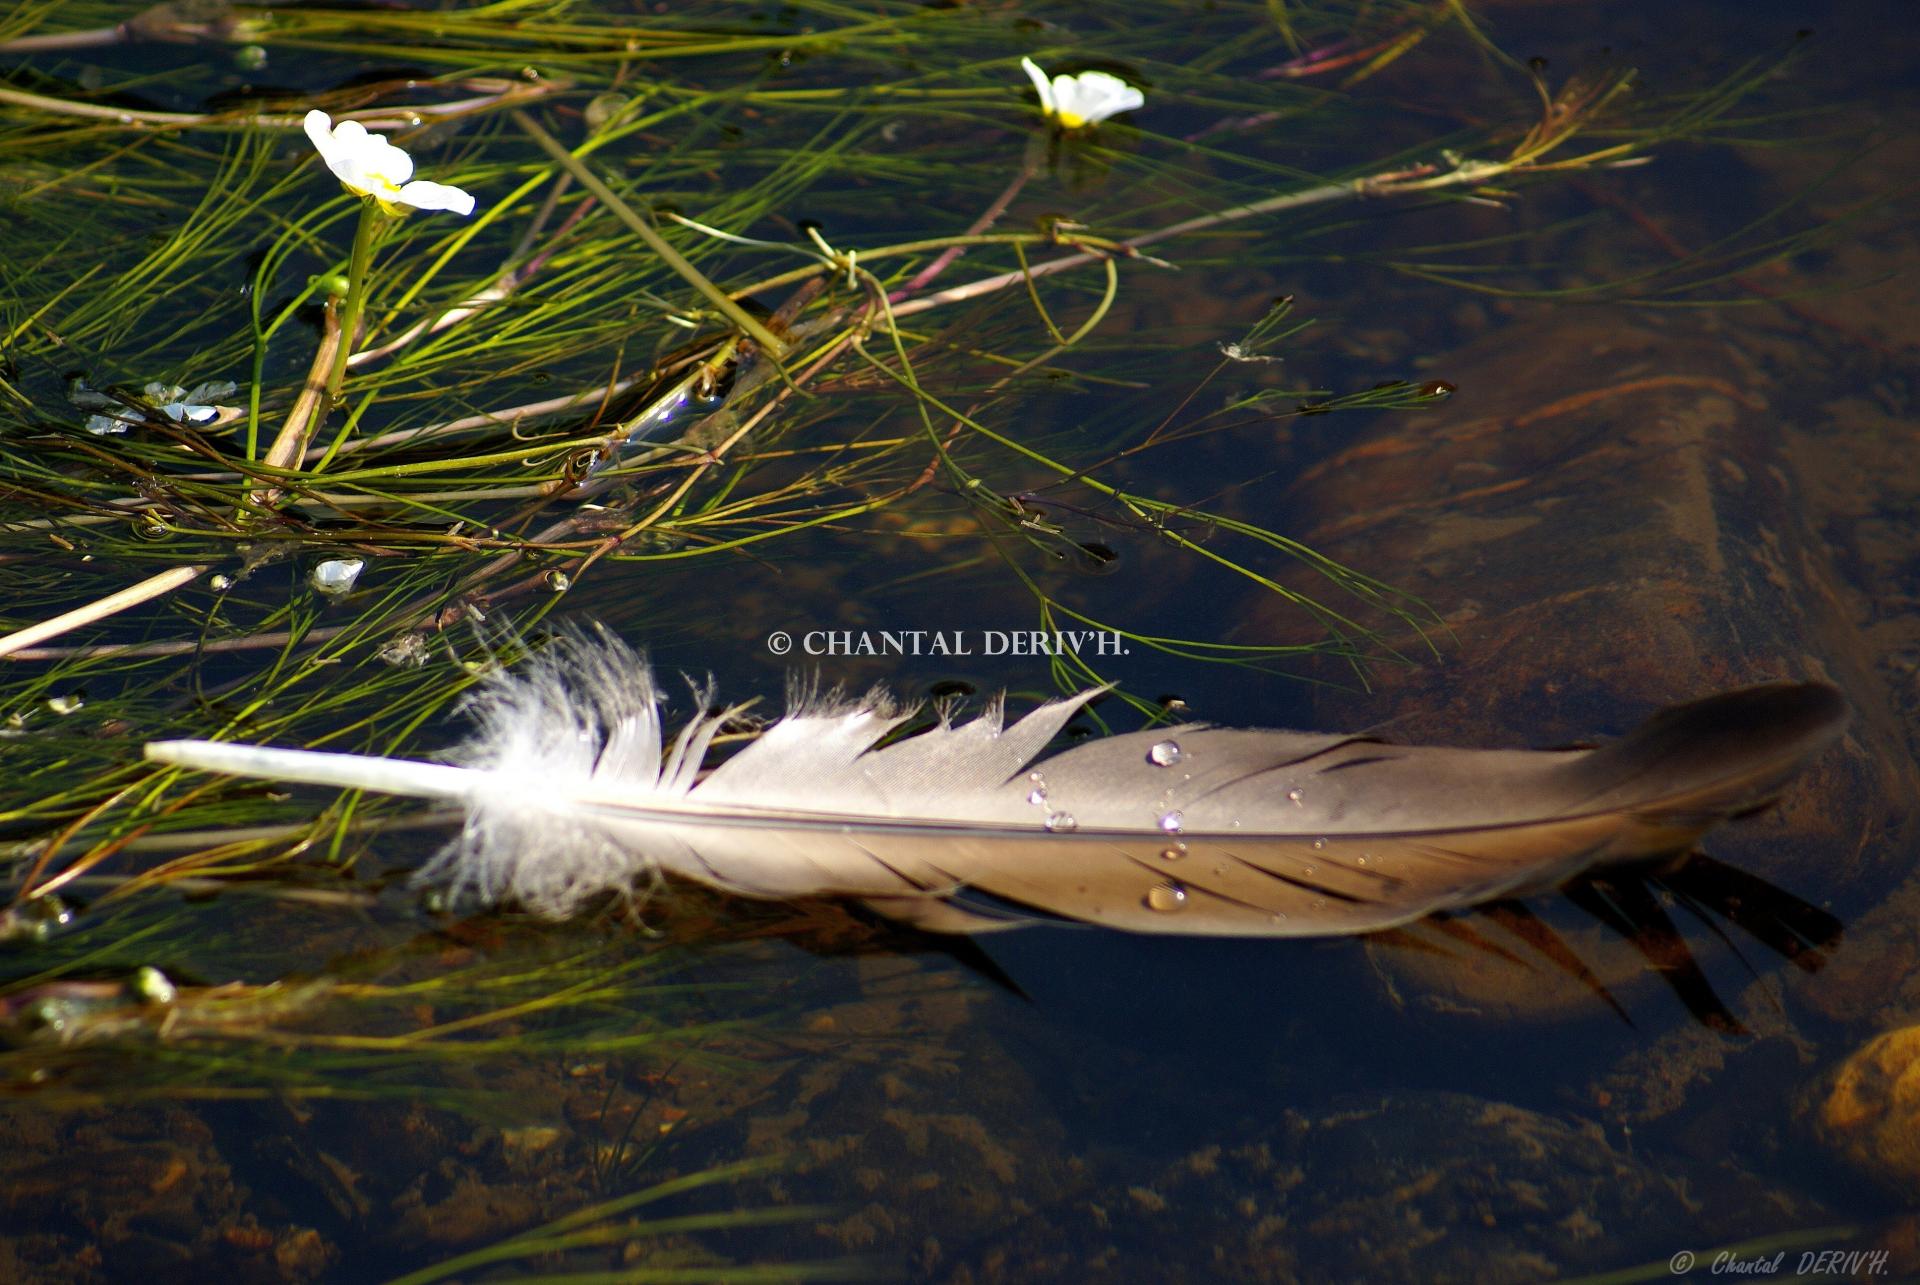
(1514, 940)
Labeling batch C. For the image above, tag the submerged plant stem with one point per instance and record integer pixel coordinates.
(356, 304)
(770, 343)
(988, 217)
(290, 446)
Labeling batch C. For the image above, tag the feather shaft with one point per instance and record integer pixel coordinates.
(314, 767)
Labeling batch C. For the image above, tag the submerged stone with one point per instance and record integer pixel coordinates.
(1870, 1114)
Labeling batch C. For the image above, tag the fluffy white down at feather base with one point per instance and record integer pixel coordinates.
(580, 718)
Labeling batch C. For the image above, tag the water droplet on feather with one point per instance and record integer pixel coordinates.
(1164, 753)
(1166, 897)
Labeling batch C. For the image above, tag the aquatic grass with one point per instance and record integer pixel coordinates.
(607, 1223)
(851, 374)
(74, 1028)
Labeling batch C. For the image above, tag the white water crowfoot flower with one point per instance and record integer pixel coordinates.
(368, 165)
(1074, 102)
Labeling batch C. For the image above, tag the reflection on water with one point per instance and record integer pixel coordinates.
(1617, 508)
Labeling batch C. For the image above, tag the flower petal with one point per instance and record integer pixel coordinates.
(1041, 85)
(422, 195)
(335, 146)
(319, 127)
(1115, 94)
(1071, 107)
(1093, 96)
(389, 162)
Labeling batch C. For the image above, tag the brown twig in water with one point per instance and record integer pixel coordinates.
(289, 449)
(132, 596)
(181, 647)
(500, 93)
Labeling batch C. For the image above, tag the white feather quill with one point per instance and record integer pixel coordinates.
(571, 789)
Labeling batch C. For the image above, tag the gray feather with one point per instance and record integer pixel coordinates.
(572, 789)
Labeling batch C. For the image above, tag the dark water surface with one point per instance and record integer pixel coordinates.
(1633, 498)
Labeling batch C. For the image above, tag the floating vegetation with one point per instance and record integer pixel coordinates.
(95, 1018)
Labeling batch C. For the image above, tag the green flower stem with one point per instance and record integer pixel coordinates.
(770, 343)
(363, 237)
